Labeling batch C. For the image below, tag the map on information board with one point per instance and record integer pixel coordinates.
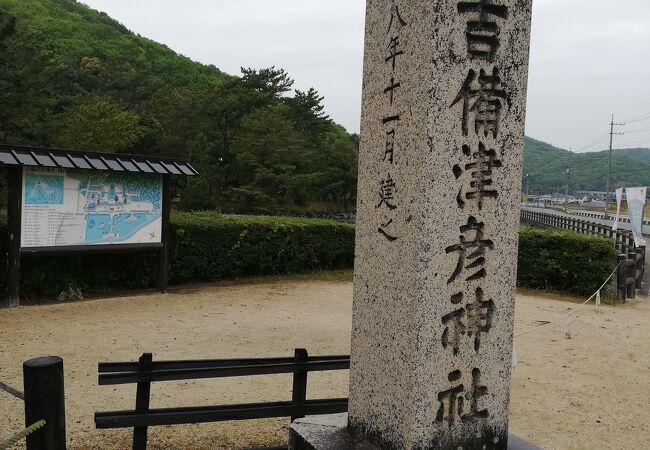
(82, 207)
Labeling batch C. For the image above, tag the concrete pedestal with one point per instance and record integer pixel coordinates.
(330, 432)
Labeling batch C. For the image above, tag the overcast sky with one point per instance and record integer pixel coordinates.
(589, 58)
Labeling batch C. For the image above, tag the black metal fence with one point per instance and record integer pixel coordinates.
(146, 371)
(630, 259)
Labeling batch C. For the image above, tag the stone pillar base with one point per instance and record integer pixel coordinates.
(330, 432)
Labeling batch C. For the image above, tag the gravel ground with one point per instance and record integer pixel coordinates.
(587, 392)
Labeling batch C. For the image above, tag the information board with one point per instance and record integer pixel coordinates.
(63, 207)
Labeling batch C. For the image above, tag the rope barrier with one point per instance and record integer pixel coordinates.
(9, 390)
(597, 293)
(13, 440)
(569, 318)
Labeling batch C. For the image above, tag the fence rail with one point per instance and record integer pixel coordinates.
(239, 370)
(146, 371)
(186, 415)
(600, 215)
(630, 259)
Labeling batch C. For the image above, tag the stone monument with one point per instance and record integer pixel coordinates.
(442, 139)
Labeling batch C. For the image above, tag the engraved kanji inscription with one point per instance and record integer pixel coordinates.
(483, 161)
(389, 150)
(479, 317)
(387, 189)
(390, 89)
(396, 21)
(472, 320)
(452, 400)
(455, 328)
(394, 51)
(483, 32)
(383, 230)
(483, 98)
(473, 397)
(471, 251)
(389, 119)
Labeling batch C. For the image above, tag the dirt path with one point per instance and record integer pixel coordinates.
(590, 391)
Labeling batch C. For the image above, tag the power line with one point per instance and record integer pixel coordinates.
(643, 130)
(644, 170)
(591, 179)
(639, 118)
(637, 143)
(597, 141)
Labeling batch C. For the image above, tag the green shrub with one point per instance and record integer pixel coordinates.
(205, 246)
(209, 246)
(564, 261)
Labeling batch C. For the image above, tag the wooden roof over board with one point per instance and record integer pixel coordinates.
(18, 155)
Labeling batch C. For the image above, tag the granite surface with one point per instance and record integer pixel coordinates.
(444, 91)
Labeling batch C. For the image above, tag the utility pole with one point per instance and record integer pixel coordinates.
(566, 194)
(527, 185)
(609, 171)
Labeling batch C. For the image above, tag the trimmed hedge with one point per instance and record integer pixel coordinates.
(564, 261)
(207, 246)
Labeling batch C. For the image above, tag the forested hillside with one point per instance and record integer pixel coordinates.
(546, 168)
(75, 78)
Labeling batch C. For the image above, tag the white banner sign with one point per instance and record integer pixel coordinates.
(619, 199)
(83, 207)
(635, 203)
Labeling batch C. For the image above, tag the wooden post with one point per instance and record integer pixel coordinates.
(142, 397)
(14, 206)
(299, 394)
(631, 275)
(642, 262)
(639, 266)
(45, 399)
(163, 269)
(621, 275)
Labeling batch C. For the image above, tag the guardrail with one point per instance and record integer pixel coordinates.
(630, 259)
(146, 371)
